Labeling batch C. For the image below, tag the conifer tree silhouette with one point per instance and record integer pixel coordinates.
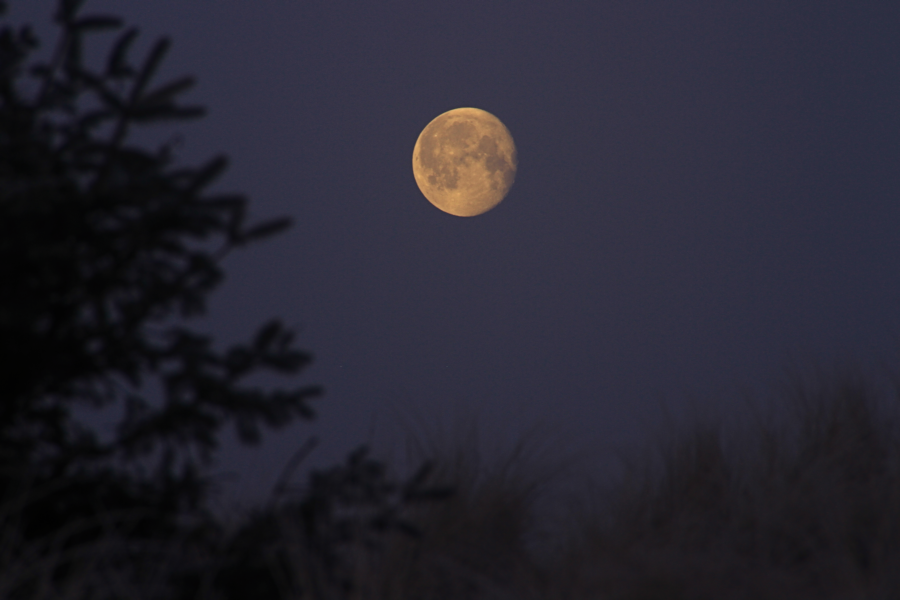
(106, 249)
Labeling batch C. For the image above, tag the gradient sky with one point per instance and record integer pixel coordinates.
(706, 192)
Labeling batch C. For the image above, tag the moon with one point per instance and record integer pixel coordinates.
(464, 161)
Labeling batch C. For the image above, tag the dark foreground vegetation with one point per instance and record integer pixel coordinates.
(107, 249)
(798, 502)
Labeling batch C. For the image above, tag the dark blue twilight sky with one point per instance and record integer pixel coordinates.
(706, 191)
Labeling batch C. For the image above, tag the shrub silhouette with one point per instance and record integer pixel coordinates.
(312, 544)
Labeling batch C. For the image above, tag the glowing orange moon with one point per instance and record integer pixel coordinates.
(465, 161)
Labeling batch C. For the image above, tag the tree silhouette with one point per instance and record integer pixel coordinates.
(106, 249)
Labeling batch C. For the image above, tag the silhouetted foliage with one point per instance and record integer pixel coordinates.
(304, 547)
(106, 248)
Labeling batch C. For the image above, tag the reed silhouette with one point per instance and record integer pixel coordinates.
(797, 506)
(805, 505)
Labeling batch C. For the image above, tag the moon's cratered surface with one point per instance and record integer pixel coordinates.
(465, 161)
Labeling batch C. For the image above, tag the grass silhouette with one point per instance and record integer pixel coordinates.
(806, 506)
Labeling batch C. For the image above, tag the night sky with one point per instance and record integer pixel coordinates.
(707, 192)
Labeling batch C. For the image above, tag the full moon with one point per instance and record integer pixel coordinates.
(464, 161)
